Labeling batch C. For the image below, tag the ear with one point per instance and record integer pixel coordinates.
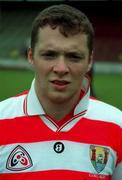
(90, 62)
(30, 56)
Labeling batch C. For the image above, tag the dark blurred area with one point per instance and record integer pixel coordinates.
(16, 18)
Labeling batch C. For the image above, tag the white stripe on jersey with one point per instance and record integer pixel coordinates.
(99, 110)
(12, 107)
(75, 156)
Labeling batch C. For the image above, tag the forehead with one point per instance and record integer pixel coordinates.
(52, 38)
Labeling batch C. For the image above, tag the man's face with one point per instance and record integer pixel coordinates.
(60, 64)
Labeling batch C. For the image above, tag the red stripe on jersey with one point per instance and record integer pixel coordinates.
(25, 92)
(25, 106)
(55, 175)
(33, 129)
(92, 97)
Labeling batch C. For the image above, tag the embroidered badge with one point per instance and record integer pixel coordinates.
(99, 157)
(19, 159)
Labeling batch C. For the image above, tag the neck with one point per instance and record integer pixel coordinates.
(58, 110)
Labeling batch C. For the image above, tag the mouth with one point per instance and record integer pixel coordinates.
(60, 85)
(60, 82)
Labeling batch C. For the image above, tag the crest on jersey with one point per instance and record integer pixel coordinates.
(99, 157)
(19, 159)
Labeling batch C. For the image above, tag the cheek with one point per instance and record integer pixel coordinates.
(39, 67)
(80, 70)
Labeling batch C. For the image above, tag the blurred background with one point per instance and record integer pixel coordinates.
(15, 27)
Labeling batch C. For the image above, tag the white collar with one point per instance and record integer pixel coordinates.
(32, 105)
(82, 106)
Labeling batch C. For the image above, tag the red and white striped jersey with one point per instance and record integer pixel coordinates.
(86, 147)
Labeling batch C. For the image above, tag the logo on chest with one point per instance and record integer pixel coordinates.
(99, 157)
(58, 147)
(19, 159)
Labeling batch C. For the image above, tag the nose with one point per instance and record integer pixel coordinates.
(61, 66)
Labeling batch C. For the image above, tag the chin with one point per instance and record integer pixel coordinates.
(59, 99)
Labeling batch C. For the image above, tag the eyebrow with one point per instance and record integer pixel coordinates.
(64, 52)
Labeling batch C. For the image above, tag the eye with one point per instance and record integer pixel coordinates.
(75, 57)
(49, 55)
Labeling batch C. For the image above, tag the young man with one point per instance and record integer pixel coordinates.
(56, 130)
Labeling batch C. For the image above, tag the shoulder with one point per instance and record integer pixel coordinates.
(99, 110)
(12, 107)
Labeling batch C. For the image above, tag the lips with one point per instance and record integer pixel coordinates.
(60, 82)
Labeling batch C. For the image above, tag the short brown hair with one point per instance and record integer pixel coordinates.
(69, 20)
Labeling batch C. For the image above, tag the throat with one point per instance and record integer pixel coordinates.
(60, 121)
(58, 114)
